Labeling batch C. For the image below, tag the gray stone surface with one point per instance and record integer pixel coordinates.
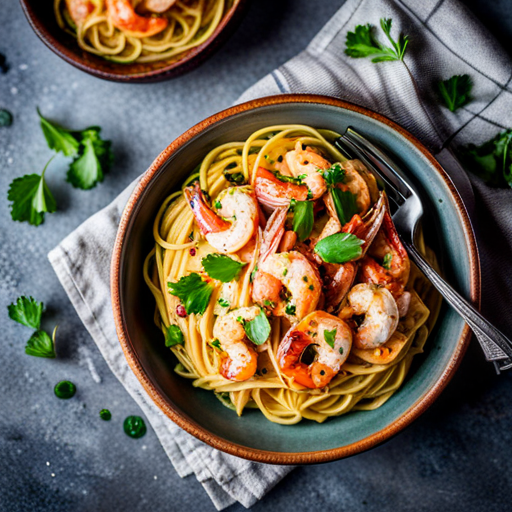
(58, 455)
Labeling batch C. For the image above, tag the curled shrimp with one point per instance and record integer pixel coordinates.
(275, 193)
(286, 283)
(235, 221)
(79, 10)
(305, 162)
(239, 360)
(157, 6)
(387, 262)
(123, 16)
(332, 339)
(380, 315)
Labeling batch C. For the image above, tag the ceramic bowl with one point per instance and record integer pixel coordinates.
(41, 17)
(252, 436)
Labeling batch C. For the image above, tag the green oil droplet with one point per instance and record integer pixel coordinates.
(105, 414)
(134, 426)
(65, 389)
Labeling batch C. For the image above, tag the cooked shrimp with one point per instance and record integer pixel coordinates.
(380, 314)
(287, 284)
(305, 163)
(239, 359)
(332, 349)
(393, 271)
(157, 6)
(79, 9)
(238, 206)
(123, 16)
(275, 193)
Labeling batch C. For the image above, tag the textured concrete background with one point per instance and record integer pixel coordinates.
(58, 455)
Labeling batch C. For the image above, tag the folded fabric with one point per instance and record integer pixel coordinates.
(438, 49)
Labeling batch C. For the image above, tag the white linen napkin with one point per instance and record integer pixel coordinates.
(446, 39)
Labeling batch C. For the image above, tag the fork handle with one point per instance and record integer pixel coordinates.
(496, 346)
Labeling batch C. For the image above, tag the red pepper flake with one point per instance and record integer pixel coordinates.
(181, 311)
(192, 251)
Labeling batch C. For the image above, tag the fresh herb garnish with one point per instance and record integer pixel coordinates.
(173, 336)
(218, 205)
(492, 161)
(285, 271)
(345, 204)
(26, 311)
(286, 179)
(31, 198)
(386, 262)
(303, 219)
(362, 43)
(224, 302)
(253, 273)
(222, 267)
(216, 343)
(41, 345)
(236, 177)
(93, 160)
(58, 138)
(290, 309)
(334, 175)
(5, 118)
(339, 248)
(269, 303)
(258, 329)
(330, 337)
(455, 92)
(193, 292)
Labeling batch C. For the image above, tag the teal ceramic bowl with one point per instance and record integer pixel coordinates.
(252, 436)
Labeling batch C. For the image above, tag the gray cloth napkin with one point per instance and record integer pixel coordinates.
(446, 39)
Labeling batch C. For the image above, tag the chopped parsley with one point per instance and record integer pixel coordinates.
(330, 337)
(303, 219)
(455, 92)
(224, 302)
(193, 292)
(222, 267)
(290, 309)
(26, 311)
(339, 248)
(216, 343)
(258, 330)
(41, 345)
(173, 336)
(218, 205)
(386, 262)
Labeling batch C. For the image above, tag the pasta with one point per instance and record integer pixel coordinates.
(141, 31)
(367, 378)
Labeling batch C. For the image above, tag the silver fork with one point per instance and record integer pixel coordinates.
(496, 346)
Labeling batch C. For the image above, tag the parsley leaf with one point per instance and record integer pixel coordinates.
(216, 343)
(222, 267)
(258, 330)
(193, 292)
(330, 337)
(173, 336)
(339, 248)
(334, 175)
(386, 262)
(456, 91)
(492, 161)
(26, 311)
(41, 345)
(362, 43)
(58, 138)
(31, 198)
(93, 160)
(303, 219)
(223, 302)
(345, 204)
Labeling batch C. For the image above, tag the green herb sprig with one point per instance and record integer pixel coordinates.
(193, 292)
(455, 92)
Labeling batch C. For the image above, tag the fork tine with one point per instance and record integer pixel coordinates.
(379, 163)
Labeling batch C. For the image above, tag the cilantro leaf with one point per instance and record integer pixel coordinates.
(330, 337)
(339, 248)
(173, 336)
(258, 330)
(26, 311)
(222, 267)
(41, 345)
(31, 198)
(58, 138)
(303, 219)
(362, 43)
(334, 175)
(345, 204)
(456, 91)
(492, 161)
(93, 160)
(193, 292)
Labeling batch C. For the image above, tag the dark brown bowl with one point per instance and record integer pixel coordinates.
(252, 436)
(41, 17)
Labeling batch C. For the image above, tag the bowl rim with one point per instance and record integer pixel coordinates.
(191, 59)
(272, 457)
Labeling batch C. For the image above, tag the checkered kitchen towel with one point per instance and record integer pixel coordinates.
(446, 39)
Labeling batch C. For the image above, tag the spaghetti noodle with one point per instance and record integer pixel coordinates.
(368, 377)
(126, 31)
